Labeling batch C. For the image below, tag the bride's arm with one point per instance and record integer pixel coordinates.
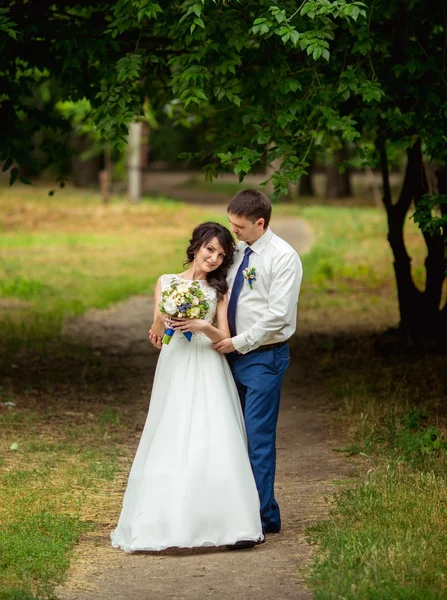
(222, 331)
(158, 328)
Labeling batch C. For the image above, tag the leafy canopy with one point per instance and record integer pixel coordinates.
(272, 81)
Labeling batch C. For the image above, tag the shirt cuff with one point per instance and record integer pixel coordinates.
(240, 343)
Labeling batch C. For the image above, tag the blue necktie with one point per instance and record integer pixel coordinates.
(237, 286)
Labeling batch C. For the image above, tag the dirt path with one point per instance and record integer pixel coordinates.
(307, 468)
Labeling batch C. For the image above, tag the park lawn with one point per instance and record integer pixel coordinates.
(385, 537)
(64, 254)
(65, 442)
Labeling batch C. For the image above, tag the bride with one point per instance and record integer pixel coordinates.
(191, 482)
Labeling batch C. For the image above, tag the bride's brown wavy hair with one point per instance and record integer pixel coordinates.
(201, 236)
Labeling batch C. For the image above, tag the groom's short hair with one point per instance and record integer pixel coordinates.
(252, 205)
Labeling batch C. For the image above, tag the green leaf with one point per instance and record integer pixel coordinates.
(8, 163)
(306, 9)
(294, 36)
(316, 53)
(13, 175)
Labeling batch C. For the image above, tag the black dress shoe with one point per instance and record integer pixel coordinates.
(241, 545)
(272, 530)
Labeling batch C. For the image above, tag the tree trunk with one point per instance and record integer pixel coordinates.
(338, 185)
(375, 187)
(420, 313)
(134, 162)
(305, 185)
(105, 176)
(441, 177)
(85, 173)
(144, 154)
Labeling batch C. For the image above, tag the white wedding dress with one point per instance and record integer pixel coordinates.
(191, 482)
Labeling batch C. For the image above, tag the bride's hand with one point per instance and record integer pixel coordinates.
(186, 325)
(158, 327)
(156, 333)
(155, 339)
(166, 320)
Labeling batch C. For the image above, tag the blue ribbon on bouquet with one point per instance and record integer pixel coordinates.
(170, 332)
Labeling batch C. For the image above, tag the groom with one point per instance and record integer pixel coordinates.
(264, 285)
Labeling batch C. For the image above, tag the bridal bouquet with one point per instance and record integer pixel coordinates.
(183, 300)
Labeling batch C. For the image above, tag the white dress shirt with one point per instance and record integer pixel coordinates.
(266, 314)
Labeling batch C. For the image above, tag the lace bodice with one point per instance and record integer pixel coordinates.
(209, 292)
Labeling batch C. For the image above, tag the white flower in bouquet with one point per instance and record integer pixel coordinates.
(170, 306)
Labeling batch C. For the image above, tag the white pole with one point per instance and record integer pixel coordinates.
(133, 162)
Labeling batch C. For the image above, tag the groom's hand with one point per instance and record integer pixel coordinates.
(224, 346)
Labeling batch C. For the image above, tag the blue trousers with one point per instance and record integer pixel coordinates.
(258, 376)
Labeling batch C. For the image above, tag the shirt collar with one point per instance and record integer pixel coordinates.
(262, 242)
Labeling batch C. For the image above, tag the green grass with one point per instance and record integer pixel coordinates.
(40, 514)
(44, 489)
(35, 551)
(386, 539)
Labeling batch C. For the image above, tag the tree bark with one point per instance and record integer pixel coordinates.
(105, 176)
(85, 173)
(420, 313)
(305, 185)
(338, 185)
(435, 267)
(441, 177)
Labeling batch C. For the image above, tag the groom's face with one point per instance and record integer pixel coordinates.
(244, 229)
